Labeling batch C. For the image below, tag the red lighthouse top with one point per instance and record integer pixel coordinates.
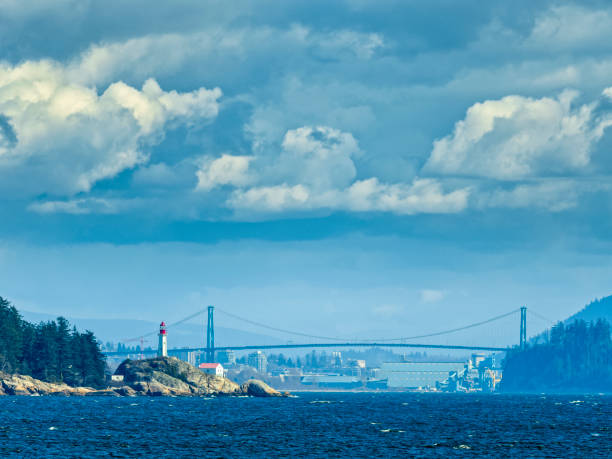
(162, 328)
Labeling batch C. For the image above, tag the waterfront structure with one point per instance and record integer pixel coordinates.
(212, 368)
(258, 361)
(414, 375)
(162, 347)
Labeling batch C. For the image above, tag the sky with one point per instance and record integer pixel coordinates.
(354, 169)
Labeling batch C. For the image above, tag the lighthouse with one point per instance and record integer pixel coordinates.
(162, 347)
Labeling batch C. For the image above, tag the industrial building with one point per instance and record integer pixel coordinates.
(414, 375)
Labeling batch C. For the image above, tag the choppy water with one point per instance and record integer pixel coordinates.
(314, 424)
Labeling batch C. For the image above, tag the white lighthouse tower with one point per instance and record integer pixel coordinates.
(162, 347)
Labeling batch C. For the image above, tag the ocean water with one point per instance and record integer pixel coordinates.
(312, 424)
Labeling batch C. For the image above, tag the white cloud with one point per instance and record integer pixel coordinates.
(270, 198)
(608, 93)
(226, 170)
(75, 206)
(315, 170)
(76, 136)
(320, 157)
(431, 296)
(419, 196)
(516, 137)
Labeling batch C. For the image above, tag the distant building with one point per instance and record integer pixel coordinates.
(413, 375)
(212, 368)
(258, 361)
(226, 357)
(186, 356)
(477, 359)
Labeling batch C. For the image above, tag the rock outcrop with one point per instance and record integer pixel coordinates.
(258, 388)
(155, 377)
(26, 385)
(171, 376)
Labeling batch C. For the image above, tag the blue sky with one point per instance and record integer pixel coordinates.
(413, 165)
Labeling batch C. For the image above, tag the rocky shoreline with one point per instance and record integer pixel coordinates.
(161, 376)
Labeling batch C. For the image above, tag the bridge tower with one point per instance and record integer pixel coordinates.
(210, 336)
(523, 338)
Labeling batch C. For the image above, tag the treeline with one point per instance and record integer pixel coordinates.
(49, 351)
(576, 357)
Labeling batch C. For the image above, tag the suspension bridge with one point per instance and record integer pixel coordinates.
(330, 342)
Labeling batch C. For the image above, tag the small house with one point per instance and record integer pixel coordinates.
(212, 368)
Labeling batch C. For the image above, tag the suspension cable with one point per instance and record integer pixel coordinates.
(373, 340)
(252, 322)
(306, 335)
(453, 330)
(185, 319)
(540, 316)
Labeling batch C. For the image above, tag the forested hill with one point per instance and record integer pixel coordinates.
(572, 358)
(50, 351)
(598, 309)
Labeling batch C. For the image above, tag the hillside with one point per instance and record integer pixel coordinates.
(598, 309)
(187, 334)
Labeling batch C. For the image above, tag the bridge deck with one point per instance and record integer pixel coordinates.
(321, 345)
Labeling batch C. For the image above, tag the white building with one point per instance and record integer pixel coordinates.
(212, 368)
(258, 361)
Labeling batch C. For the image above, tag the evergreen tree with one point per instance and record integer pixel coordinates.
(573, 357)
(49, 351)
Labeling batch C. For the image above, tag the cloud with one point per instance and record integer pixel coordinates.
(320, 157)
(516, 137)
(315, 170)
(165, 54)
(551, 195)
(419, 196)
(226, 170)
(271, 198)
(75, 207)
(431, 296)
(570, 27)
(74, 135)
